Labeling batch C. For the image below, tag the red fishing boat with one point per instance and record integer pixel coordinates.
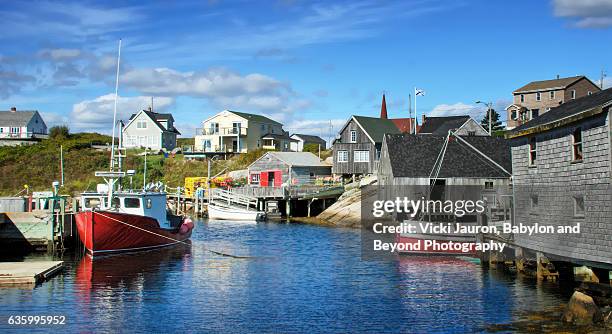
(132, 222)
(113, 220)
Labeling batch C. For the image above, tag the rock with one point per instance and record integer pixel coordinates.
(581, 310)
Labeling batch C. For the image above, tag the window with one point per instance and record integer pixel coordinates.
(535, 113)
(1, 130)
(141, 124)
(534, 201)
(131, 203)
(149, 203)
(255, 178)
(573, 94)
(577, 145)
(513, 115)
(578, 206)
(236, 127)
(214, 128)
(552, 94)
(342, 156)
(589, 93)
(488, 184)
(206, 144)
(92, 202)
(263, 128)
(532, 151)
(522, 98)
(471, 133)
(361, 156)
(377, 156)
(15, 130)
(538, 96)
(353, 136)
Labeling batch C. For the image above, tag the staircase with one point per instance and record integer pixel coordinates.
(228, 198)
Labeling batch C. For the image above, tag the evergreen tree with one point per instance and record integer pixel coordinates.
(496, 124)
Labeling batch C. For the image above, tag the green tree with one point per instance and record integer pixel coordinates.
(312, 148)
(59, 132)
(496, 124)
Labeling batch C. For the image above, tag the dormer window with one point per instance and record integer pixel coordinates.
(353, 136)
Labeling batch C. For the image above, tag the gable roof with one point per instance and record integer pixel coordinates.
(441, 125)
(566, 113)
(254, 117)
(16, 118)
(415, 156)
(403, 124)
(301, 159)
(277, 136)
(560, 83)
(155, 117)
(375, 128)
(309, 138)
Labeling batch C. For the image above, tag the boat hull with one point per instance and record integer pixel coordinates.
(104, 232)
(222, 213)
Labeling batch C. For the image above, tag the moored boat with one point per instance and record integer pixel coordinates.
(216, 211)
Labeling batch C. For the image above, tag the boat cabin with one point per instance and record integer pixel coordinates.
(150, 204)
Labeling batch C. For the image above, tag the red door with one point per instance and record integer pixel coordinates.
(263, 179)
(277, 178)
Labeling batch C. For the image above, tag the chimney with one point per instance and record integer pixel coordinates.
(13, 109)
(557, 76)
(383, 108)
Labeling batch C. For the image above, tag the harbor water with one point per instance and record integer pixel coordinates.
(296, 279)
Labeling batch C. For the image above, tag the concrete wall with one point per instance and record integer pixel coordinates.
(556, 180)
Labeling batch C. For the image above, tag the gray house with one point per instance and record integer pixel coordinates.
(150, 129)
(356, 150)
(462, 125)
(278, 169)
(562, 176)
(21, 127)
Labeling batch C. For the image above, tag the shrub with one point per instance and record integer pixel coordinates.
(59, 132)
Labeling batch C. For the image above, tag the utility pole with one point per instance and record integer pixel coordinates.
(603, 76)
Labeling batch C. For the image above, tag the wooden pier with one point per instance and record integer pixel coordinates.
(28, 273)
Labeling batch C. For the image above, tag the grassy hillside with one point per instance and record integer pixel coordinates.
(38, 165)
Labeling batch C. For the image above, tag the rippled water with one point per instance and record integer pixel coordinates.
(301, 278)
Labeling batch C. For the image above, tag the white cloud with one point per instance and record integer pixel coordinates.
(97, 114)
(59, 54)
(585, 13)
(457, 109)
(315, 127)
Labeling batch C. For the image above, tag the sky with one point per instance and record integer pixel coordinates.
(308, 64)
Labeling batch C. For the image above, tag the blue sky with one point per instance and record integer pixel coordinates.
(304, 63)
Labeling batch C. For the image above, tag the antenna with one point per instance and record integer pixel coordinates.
(112, 159)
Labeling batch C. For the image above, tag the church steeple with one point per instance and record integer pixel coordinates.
(383, 108)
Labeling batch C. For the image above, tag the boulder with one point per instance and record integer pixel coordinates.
(581, 310)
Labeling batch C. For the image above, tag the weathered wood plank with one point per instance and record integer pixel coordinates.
(29, 273)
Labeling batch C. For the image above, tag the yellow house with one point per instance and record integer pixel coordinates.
(235, 132)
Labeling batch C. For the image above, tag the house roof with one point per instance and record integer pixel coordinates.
(16, 118)
(277, 136)
(403, 124)
(309, 138)
(441, 125)
(375, 128)
(254, 117)
(565, 113)
(301, 159)
(549, 84)
(415, 156)
(156, 117)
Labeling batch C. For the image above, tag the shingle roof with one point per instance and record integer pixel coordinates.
(309, 138)
(441, 125)
(156, 117)
(549, 84)
(254, 117)
(305, 159)
(415, 156)
(567, 111)
(376, 127)
(403, 124)
(16, 118)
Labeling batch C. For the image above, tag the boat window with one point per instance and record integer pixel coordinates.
(130, 202)
(92, 202)
(115, 202)
(149, 203)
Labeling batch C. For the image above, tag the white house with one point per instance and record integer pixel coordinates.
(20, 126)
(150, 129)
(302, 139)
(237, 132)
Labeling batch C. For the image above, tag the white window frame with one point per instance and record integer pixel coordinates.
(141, 124)
(573, 94)
(579, 213)
(576, 144)
(533, 151)
(361, 156)
(342, 156)
(255, 178)
(353, 136)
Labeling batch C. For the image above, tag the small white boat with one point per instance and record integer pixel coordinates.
(216, 211)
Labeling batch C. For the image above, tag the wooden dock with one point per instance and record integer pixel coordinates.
(28, 273)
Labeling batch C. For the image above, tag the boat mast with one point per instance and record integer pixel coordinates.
(112, 159)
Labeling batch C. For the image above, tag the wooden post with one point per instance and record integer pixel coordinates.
(288, 207)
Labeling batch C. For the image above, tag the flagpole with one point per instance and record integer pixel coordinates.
(416, 115)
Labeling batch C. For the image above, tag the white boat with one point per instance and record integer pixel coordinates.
(216, 211)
